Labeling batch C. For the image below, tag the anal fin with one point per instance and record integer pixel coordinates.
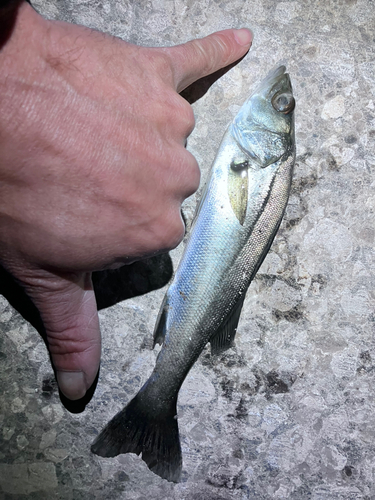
(223, 338)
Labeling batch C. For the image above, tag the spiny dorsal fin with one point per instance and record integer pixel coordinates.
(224, 337)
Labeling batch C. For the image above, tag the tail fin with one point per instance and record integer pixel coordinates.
(135, 429)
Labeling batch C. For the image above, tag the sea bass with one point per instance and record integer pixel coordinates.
(236, 222)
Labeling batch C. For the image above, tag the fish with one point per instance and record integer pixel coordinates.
(236, 221)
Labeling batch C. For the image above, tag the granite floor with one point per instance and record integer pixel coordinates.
(288, 413)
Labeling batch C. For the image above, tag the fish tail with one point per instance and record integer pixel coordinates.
(140, 429)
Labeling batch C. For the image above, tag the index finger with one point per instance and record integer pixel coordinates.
(201, 57)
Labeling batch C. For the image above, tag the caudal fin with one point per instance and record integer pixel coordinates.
(135, 429)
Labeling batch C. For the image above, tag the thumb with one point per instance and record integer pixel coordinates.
(68, 310)
(201, 57)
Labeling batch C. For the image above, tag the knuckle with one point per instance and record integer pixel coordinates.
(160, 63)
(182, 115)
(204, 54)
(172, 115)
(176, 230)
(187, 114)
(193, 175)
(186, 174)
(171, 230)
(222, 49)
(213, 51)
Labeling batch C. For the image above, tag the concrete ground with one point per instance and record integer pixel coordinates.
(288, 413)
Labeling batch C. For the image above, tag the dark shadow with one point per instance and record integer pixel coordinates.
(17, 298)
(8, 16)
(110, 288)
(197, 89)
(141, 277)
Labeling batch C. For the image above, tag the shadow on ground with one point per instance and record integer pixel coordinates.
(110, 287)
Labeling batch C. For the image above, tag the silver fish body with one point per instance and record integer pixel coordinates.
(236, 222)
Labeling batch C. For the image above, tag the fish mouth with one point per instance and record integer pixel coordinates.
(273, 75)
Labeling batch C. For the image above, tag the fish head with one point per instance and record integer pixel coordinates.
(264, 126)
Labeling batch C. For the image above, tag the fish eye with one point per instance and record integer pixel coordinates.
(284, 103)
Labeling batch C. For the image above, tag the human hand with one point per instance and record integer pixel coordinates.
(93, 166)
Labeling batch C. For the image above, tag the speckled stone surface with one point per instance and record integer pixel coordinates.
(288, 413)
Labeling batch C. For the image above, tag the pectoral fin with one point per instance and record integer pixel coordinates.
(224, 337)
(238, 189)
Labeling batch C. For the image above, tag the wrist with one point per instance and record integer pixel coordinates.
(21, 64)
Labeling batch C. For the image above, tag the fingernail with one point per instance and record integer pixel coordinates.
(72, 384)
(243, 36)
